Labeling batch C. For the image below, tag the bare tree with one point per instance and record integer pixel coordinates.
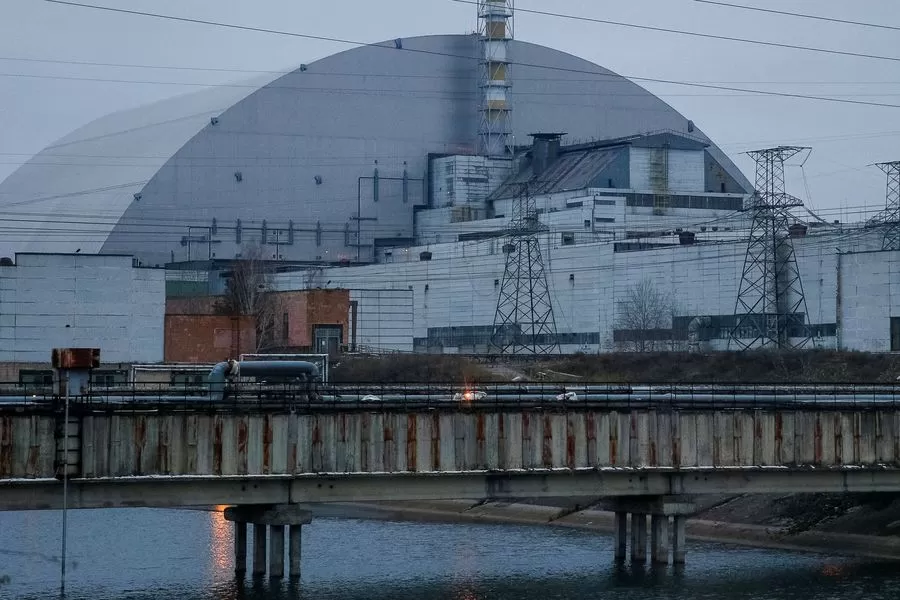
(249, 292)
(645, 317)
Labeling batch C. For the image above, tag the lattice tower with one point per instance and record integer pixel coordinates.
(524, 321)
(771, 308)
(889, 218)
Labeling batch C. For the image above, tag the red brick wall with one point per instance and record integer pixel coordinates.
(207, 339)
(306, 309)
(328, 307)
(194, 305)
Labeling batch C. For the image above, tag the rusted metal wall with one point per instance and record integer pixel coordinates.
(27, 446)
(371, 441)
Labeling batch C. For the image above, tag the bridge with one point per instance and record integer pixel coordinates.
(266, 448)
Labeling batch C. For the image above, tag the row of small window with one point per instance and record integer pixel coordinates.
(44, 377)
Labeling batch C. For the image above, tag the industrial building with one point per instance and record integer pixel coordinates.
(399, 171)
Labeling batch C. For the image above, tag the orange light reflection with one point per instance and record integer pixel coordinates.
(221, 542)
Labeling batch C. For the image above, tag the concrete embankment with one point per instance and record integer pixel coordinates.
(461, 511)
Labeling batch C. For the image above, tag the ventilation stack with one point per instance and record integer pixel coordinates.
(495, 25)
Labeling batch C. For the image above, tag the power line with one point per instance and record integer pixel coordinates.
(799, 15)
(441, 76)
(412, 94)
(683, 32)
(537, 66)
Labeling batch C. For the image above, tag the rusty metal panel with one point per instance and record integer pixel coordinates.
(468, 447)
(328, 429)
(305, 426)
(557, 438)
(490, 429)
(75, 358)
(895, 458)
(248, 431)
(89, 453)
(723, 439)
(623, 433)
(663, 439)
(616, 440)
(206, 426)
(401, 432)
(744, 442)
(282, 448)
(235, 434)
(341, 442)
(444, 425)
(421, 444)
(676, 441)
(513, 448)
(532, 440)
(46, 446)
(884, 443)
(825, 449)
(163, 445)
(805, 437)
(867, 435)
(375, 447)
(6, 446)
(695, 436)
(349, 440)
(150, 453)
(789, 450)
(601, 439)
(316, 443)
(763, 438)
(576, 440)
(121, 462)
(138, 439)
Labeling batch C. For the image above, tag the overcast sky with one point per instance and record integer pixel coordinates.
(42, 101)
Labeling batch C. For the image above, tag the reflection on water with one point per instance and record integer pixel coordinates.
(141, 554)
(221, 544)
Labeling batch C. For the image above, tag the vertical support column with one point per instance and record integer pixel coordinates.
(259, 549)
(294, 544)
(621, 535)
(240, 548)
(678, 543)
(276, 550)
(638, 538)
(660, 539)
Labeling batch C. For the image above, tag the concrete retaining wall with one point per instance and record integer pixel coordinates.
(116, 444)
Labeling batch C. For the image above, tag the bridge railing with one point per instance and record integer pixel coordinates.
(611, 396)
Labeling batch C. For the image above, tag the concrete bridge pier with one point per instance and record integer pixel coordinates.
(621, 536)
(660, 509)
(271, 519)
(638, 537)
(259, 549)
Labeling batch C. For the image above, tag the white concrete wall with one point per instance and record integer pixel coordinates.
(54, 301)
(459, 287)
(870, 293)
(385, 318)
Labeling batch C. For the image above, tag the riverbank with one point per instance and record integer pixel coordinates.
(698, 529)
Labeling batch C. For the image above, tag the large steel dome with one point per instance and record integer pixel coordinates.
(294, 156)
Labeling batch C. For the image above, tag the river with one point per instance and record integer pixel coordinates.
(138, 554)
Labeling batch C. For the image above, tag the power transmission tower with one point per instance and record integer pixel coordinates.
(889, 218)
(771, 308)
(524, 322)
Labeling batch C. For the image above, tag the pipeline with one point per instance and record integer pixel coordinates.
(223, 371)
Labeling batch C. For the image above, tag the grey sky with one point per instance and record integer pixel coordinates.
(38, 106)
